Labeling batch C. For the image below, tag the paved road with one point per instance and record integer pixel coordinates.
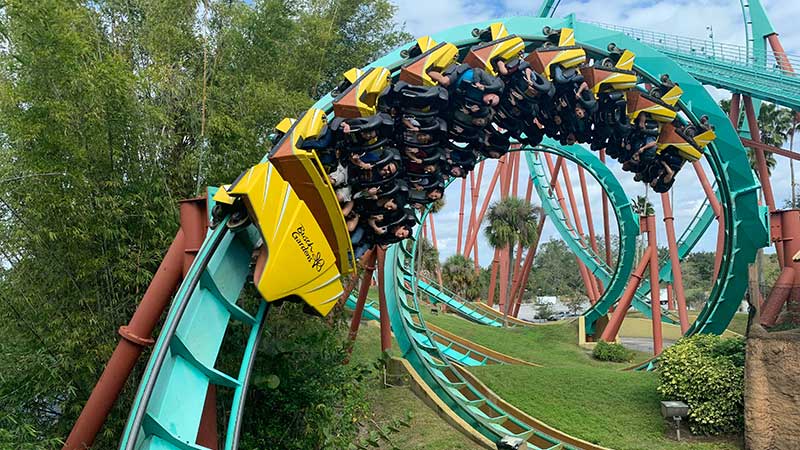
(642, 344)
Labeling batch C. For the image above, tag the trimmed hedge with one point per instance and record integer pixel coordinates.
(707, 373)
(612, 352)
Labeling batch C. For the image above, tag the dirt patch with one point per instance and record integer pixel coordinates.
(772, 390)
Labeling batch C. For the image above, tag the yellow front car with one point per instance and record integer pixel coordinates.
(295, 243)
(311, 184)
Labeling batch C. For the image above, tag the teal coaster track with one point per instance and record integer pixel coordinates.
(169, 402)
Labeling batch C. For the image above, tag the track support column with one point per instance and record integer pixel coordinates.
(655, 301)
(386, 327)
(677, 276)
(363, 290)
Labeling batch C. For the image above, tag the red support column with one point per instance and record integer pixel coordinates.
(606, 224)
(369, 259)
(717, 208)
(787, 287)
(592, 286)
(677, 276)
(461, 214)
(515, 174)
(587, 209)
(386, 327)
(778, 296)
(476, 225)
(503, 279)
(612, 328)
(735, 111)
(761, 166)
(655, 301)
(519, 289)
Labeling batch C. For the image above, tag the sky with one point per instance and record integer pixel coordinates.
(681, 17)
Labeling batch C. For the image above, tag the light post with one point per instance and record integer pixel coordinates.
(710, 30)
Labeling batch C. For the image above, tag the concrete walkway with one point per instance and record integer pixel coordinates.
(642, 344)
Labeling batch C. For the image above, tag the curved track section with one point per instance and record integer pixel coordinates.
(452, 350)
(461, 396)
(169, 402)
(627, 222)
(462, 309)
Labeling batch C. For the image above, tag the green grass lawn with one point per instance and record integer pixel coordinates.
(426, 431)
(589, 399)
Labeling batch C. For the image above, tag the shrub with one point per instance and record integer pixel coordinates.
(302, 396)
(612, 352)
(707, 373)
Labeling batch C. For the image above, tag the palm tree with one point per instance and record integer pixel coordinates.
(458, 274)
(511, 221)
(643, 206)
(774, 126)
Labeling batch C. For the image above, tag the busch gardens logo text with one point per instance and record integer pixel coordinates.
(307, 247)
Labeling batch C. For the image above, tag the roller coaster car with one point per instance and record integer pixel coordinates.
(611, 76)
(304, 172)
(431, 56)
(565, 53)
(688, 146)
(366, 133)
(420, 100)
(661, 109)
(294, 239)
(359, 93)
(498, 45)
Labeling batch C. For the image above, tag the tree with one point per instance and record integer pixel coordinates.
(101, 115)
(554, 272)
(544, 309)
(458, 275)
(511, 221)
(774, 125)
(427, 258)
(643, 206)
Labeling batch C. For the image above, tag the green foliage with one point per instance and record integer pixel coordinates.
(544, 309)
(511, 221)
(427, 258)
(458, 275)
(554, 271)
(643, 206)
(611, 352)
(303, 396)
(707, 373)
(100, 112)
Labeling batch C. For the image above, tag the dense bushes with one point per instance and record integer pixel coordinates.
(707, 373)
(611, 352)
(302, 395)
